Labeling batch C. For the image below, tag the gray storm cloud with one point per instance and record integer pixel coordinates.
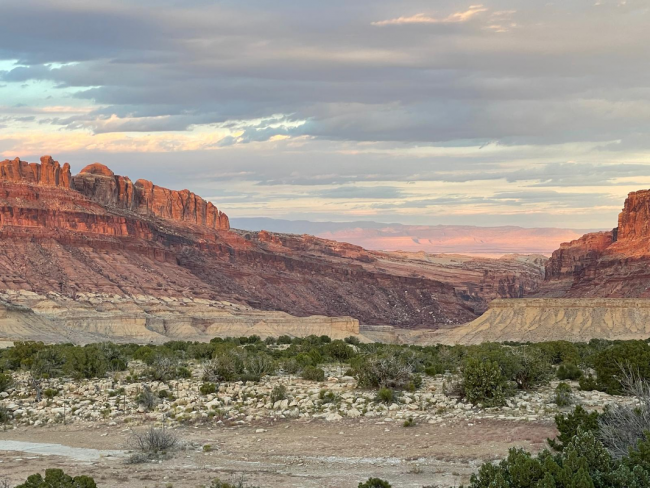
(357, 88)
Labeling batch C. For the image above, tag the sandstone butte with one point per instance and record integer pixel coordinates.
(98, 232)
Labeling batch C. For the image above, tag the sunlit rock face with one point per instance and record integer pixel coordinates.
(99, 232)
(614, 264)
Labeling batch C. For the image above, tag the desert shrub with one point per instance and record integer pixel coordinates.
(284, 339)
(531, 368)
(588, 383)
(569, 371)
(352, 340)
(47, 363)
(162, 394)
(563, 395)
(21, 355)
(415, 383)
(85, 362)
(327, 396)
(560, 352)
(152, 443)
(409, 422)
(50, 393)
(526, 366)
(610, 365)
(290, 366)
(278, 393)
(622, 426)
(304, 360)
(114, 355)
(163, 367)
(56, 478)
(390, 371)
(482, 382)
(6, 382)
(147, 399)
(259, 365)
(570, 424)
(311, 373)
(339, 350)
(435, 369)
(5, 414)
(374, 483)
(385, 395)
(183, 372)
(225, 366)
(208, 388)
(583, 461)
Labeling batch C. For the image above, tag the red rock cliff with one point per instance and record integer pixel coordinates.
(634, 220)
(612, 264)
(48, 173)
(101, 185)
(576, 255)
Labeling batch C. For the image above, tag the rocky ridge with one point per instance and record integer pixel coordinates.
(98, 232)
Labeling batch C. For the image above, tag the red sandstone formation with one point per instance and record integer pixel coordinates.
(612, 264)
(99, 232)
(100, 184)
(48, 173)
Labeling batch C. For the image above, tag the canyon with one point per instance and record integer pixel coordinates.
(97, 232)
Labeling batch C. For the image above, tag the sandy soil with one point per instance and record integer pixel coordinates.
(287, 454)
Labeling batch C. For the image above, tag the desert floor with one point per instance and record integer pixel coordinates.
(285, 453)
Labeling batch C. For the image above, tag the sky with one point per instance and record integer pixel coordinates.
(507, 112)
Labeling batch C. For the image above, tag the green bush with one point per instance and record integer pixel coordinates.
(388, 371)
(588, 383)
(327, 396)
(208, 388)
(278, 393)
(6, 382)
(56, 478)
(569, 371)
(339, 350)
(50, 393)
(483, 382)
(375, 483)
(312, 373)
(584, 462)
(352, 340)
(570, 424)
(563, 395)
(631, 356)
(385, 395)
(85, 362)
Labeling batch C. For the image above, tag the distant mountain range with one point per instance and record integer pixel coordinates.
(461, 239)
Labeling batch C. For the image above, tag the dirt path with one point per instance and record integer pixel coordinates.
(287, 454)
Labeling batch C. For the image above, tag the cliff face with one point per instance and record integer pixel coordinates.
(101, 185)
(606, 264)
(48, 173)
(98, 232)
(634, 220)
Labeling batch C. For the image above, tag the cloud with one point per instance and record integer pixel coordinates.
(281, 103)
(421, 18)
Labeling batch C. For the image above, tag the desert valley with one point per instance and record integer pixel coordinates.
(344, 244)
(156, 285)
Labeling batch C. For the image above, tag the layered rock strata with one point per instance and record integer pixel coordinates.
(99, 232)
(613, 264)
